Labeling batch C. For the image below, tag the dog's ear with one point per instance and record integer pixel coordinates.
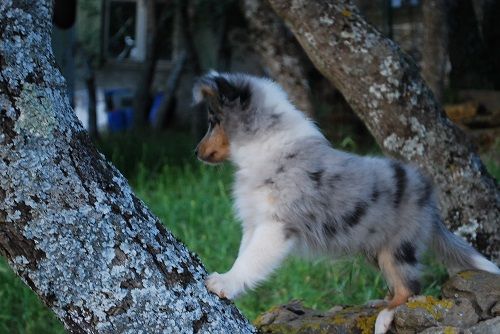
(230, 92)
(218, 90)
(226, 90)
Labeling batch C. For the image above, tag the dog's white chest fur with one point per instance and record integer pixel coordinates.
(253, 202)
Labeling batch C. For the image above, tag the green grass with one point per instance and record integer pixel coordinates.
(20, 309)
(194, 203)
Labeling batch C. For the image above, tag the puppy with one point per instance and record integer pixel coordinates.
(293, 191)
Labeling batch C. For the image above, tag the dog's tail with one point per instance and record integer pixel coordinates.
(456, 253)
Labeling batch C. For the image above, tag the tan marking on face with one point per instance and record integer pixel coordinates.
(214, 147)
(207, 91)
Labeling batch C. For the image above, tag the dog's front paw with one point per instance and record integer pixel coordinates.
(223, 285)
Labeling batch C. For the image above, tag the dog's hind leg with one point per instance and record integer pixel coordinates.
(400, 269)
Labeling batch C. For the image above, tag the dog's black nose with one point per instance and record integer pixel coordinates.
(195, 152)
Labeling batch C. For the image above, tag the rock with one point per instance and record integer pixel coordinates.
(469, 297)
(443, 330)
(295, 318)
(491, 326)
(283, 314)
(495, 310)
(481, 288)
(424, 312)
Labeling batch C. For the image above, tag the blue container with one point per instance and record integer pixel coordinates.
(119, 109)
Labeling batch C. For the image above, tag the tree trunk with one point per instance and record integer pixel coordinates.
(434, 49)
(280, 53)
(70, 225)
(491, 35)
(169, 92)
(471, 66)
(384, 87)
(92, 98)
(142, 96)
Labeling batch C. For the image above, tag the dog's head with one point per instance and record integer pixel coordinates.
(227, 99)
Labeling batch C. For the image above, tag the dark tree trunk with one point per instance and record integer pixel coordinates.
(142, 96)
(491, 36)
(435, 45)
(92, 99)
(384, 87)
(471, 65)
(162, 114)
(280, 53)
(70, 225)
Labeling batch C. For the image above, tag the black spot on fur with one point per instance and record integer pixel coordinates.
(232, 92)
(308, 226)
(400, 180)
(371, 230)
(268, 181)
(333, 179)
(375, 194)
(406, 253)
(275, 119)
(213, 120)
(291, 232)
(280, 169)
(316, 177)
(311, 216)
(426, 193)
(414, 286)
(329, 229)
(354, 217)
(291, 155)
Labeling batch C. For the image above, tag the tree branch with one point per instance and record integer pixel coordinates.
(384, 87)
(280, 54)
(70, 225)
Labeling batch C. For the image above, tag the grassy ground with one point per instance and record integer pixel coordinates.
(194, 203)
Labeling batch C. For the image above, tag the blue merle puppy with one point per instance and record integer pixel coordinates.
(293, 191)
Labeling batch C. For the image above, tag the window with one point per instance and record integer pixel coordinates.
(128, 26)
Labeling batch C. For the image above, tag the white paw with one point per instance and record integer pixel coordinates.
(224, 285)
(384, 320)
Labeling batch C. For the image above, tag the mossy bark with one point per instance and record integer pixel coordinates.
(70, 225)
(384, 87)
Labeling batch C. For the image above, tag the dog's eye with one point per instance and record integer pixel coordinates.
(213, 120)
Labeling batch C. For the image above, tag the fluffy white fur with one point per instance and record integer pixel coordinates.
(263, 246)
(380, 208)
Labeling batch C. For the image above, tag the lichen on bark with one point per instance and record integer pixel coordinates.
(70, 225)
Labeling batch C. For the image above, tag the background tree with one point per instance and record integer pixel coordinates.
(435, 46)
(142, 96)
(88, 15)
(70, 225)
(385, 89)
(280, 53)
(469, 56)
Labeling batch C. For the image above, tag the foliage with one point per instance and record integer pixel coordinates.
(21, 312)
